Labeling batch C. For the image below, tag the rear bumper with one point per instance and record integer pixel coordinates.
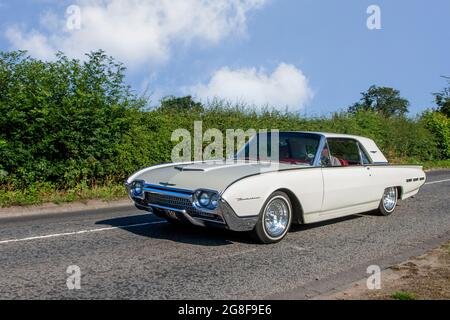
(226, 217)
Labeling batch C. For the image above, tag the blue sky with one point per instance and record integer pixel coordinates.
(314, 56)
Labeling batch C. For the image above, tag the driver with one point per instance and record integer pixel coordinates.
(329, 159)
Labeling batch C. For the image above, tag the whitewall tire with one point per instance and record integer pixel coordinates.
(275, 219)
(389, 201)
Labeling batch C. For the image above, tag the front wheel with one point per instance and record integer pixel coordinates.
(275, 219)
(389, 201)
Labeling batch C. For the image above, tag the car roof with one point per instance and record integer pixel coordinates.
(328, 134)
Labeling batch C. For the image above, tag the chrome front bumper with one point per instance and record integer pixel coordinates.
(178, 205)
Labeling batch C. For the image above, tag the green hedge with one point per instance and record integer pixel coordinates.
(398, 137)
(439, 125)
(71, 124)
(63, 122)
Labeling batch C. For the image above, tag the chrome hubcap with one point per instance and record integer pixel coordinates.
(276, 218)
(390, 199)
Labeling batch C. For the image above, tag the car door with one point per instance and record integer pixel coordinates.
(345, 177)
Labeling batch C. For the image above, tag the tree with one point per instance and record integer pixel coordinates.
(384, 100)
(443, 99)
(184, 104)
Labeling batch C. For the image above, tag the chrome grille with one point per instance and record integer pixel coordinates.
(169, 201)
(179, 203)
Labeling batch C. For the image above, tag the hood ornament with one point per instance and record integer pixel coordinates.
(167, 184)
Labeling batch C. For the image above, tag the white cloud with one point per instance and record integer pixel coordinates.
(136, 31)
(34, 41)
(287, 86)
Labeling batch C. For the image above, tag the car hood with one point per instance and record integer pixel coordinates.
(206, 175)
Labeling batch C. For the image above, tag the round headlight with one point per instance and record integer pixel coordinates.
(215, 201)
(205, 199)
(138, 189)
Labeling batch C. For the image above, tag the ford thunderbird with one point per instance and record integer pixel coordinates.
(315, 177)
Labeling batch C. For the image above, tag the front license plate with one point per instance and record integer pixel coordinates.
(172, 214)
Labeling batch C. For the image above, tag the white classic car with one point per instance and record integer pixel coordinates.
(316, 177)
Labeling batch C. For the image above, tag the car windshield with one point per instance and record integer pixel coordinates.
(293, 148)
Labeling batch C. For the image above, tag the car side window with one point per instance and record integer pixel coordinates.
(344, 152)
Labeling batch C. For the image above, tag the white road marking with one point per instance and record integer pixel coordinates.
(58, 235)
(435, 182)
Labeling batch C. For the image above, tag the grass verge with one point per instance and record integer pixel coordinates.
(38, 196)
(402, 295)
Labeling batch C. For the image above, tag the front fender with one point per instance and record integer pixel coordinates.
(248, 196)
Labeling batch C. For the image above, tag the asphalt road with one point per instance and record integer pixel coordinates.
(124, 254)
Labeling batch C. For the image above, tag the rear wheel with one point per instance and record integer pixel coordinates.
(389, 201)
(275, 219)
